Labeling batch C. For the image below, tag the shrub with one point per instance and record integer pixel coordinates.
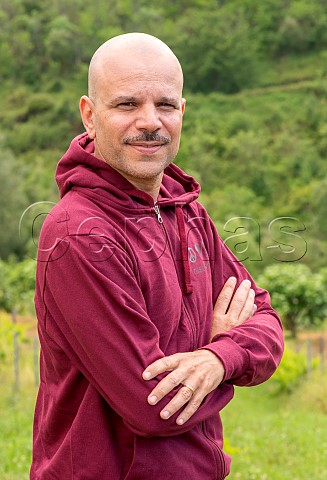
(297, 294)
(7, 330)
(290, 371)
(39, 103)
(17, 285)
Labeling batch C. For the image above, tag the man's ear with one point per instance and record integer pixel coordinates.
(183, 105)
(86, 107)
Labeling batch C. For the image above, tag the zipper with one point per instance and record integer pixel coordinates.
(190, 320)
(192, 325)
(157, 212)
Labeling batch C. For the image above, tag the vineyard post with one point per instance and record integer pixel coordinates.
(309, 355)
(322, 353)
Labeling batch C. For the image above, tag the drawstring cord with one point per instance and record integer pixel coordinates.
(188, 287)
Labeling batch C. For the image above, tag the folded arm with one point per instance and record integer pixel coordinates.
(200, 372)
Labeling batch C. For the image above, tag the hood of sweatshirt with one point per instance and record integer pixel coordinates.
(80, 168)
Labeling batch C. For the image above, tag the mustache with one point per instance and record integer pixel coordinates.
(148, 137)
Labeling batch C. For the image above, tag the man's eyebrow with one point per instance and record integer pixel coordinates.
(172, 100)
(123, 99)
(131, 99)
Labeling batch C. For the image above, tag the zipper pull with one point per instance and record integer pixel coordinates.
(157, 210)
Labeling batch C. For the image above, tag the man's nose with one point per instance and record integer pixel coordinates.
(148, 118)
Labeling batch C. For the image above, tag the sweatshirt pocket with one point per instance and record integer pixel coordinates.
(212, 432)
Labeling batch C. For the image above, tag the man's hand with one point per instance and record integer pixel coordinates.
(200, 372)
(232, 309)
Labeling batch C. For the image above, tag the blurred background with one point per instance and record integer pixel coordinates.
(254, 136)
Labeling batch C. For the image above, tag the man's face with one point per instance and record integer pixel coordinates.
(137, 118)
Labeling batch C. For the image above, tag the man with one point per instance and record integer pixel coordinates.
(136, 363)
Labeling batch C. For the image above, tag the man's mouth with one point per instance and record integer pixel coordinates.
(146, 147)
(147, 144)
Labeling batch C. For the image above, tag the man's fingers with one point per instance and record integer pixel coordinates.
(198, 373)
(225, 297)
(190, 408)
(183, 396)
(165, 386)
(248, 308)
(165, 364)
(239, 299)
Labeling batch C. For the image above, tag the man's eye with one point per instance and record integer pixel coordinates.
(167, 106)
(126, 105)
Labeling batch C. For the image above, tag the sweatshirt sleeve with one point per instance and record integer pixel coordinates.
(250, 352)
(94, 314)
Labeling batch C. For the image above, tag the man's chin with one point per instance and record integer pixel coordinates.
(146, 170)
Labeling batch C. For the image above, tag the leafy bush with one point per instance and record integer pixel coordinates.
(17, 285)
(12, 201)
(7, 330)
(226, 59)
(303, 27)
(290, 371)
(297, 294)
(39, 103)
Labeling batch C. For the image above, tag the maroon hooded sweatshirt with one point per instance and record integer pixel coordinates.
(121, 282)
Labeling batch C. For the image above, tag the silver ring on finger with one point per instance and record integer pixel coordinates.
(190, 388)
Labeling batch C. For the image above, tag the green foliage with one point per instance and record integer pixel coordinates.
(61, 45)
(7, 330)
(259, 153)
(12, 200)
(303, 27)
(17, 285)
(298, 295)
(228, 53)
(290, 372)
(17, 419)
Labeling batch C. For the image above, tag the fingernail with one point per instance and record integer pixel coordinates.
(246, 282)
(153, 399)
(232, 279)
(146, 375)
(165, 414)
(180, 421)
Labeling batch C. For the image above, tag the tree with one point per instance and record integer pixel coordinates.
(216, 49)
(61, 44)
(298, 295)
(12, 203)
(303, 27)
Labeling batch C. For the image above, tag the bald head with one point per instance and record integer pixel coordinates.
(135, 107)
(131, 49)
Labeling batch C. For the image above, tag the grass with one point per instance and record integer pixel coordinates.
(16, 407)
(277, 437)
(270, 437)
(15, 438)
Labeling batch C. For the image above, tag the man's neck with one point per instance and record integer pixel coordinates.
(149, 186)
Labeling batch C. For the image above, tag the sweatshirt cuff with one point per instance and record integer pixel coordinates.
(234, 358)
